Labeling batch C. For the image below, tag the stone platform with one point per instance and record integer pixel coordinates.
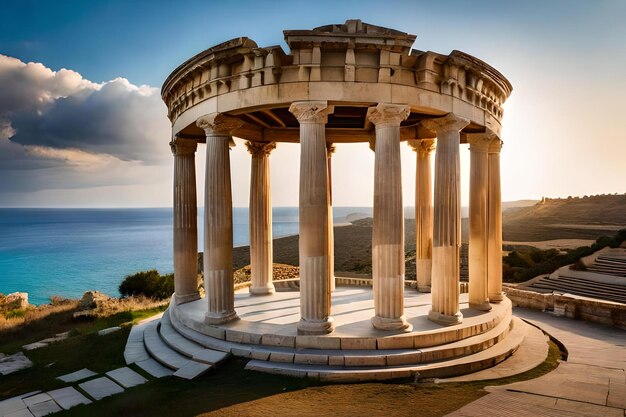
(266, 333)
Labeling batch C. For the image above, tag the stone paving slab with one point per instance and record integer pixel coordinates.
(100, 388)
(36, 399)
(68, 397)
(21, 413)
(592, 382)
(77, 376)
(11, 405)
(154, 368)
(109, 330)
(35, 345)
(511, 404)
(44, 408)
(14, 363)
(126, 377)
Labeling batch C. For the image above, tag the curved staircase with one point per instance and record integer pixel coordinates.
(182, 345)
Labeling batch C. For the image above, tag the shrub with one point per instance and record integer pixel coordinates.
(150, 284)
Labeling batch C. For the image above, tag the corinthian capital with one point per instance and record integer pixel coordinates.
(480, 142)
(422, 146)
(311, 111)
(447, 123)
(260, 148)
(218, 124)
(388, 114)
(183, 146)
(496, 145)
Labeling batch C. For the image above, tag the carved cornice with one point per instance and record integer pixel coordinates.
(423, 146)
(311, 111)
(239, 64)
(218, 124)
(447, 123)
(183, 146)
(260, 148)
(388, 114)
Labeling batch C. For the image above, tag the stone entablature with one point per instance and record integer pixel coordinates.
(355, 63)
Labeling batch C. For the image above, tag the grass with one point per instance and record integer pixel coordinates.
(228, 391)
(233, 391)
(84, 348)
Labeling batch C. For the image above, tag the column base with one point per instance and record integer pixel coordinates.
(266, 290)
(217, 318)
(445, 319)
(496, 298)
(423, 288)
(187, 298)
(484, 306)
(315, 327)
(385, 323)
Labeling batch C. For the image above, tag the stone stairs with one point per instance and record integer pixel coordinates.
(580, 286)
(156, 347)
(177, 345)
(436, 368)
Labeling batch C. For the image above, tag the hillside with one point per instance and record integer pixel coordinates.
(566, 218)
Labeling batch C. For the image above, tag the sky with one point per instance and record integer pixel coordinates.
(82, 123)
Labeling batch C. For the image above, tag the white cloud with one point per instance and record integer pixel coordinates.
(59, 130)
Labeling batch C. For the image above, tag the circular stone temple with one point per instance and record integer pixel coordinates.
(344, 83)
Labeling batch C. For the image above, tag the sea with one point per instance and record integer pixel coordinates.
(65, 252)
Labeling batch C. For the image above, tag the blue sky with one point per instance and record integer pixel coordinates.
(565, 59)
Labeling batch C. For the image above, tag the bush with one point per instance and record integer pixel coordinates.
(150, 284)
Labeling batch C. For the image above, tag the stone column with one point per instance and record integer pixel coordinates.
(479, 175)
(388, 231)
(330, 150)
(315, 315)
(261, 259)
(423, 213)
(494, 220)
(218, 219)
(447, 220)
(185, 221)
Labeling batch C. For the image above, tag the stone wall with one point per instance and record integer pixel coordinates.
(597, 311)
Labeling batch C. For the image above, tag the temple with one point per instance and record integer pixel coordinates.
(345, 83)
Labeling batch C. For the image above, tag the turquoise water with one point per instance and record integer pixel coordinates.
(67, 251)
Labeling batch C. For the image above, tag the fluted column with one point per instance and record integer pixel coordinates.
(218, 219)
(260, 219)
(494, 216)
(479, 175)
(330, 150)
(388, 231)
(185, 221)
(423, 213)
(315, 315)
(447, 220)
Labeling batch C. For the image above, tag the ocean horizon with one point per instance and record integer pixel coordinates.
(67, 251)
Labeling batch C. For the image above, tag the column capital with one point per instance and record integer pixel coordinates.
(218, 124)
(183, 146)
(388, 114)
(422, 146)
(496, 145)
(480, 142)
(260, 148)
(330, 149)
(447, 123)
(311, 111)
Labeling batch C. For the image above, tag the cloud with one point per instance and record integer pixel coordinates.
(60, 130)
